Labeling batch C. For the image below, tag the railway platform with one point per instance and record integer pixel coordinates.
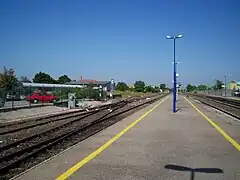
(153, 143)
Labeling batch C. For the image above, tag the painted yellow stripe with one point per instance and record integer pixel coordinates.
(77, 166)
(219, 129)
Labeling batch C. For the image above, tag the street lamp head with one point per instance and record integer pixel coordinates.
(180, 36)
(175, 37)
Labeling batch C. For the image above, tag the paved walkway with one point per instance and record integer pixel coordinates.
(163, 145)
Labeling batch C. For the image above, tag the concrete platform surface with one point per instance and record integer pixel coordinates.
(163, 145)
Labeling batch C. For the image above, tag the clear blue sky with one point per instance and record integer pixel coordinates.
(121, 39)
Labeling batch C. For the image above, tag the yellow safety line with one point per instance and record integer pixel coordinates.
(77, 166)
(219, 129)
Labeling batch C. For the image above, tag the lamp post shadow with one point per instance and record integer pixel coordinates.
(192, 170)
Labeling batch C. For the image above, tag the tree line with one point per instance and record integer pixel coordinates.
(139, 86)
(217, 86)
(8, 80)
(42, 77)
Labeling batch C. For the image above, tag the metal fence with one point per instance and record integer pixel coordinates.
(220, 92)
(28, 97)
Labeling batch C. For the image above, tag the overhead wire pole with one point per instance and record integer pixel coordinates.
(226, 78)
(174, 71)
(225, 87)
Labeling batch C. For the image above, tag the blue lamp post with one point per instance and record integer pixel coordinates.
(174, 71)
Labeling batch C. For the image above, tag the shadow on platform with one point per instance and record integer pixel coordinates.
(193, 170)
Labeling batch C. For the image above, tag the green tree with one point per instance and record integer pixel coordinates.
(139, 86)
(42, 77)
(156, 89)
(63, 79)
(218, 85)
(162, 87)
(121, 86)
(8, 79)
(25, 79)
(149, 89)
(191, 88)
(202, 87)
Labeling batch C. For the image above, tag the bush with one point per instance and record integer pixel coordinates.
(89, 93)
(139, 86)
(121, 86)
(3, 95)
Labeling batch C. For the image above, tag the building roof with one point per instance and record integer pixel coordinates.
(236, 82)
(86, 81)
(83, 81)
(51, 85)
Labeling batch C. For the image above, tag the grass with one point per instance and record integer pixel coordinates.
(126, 94)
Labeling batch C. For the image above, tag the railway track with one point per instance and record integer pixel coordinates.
(19, 152)
(11, 152)
(10, 136)
(10, 128)
(227, 101)
(229, 107)
(68, 122)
